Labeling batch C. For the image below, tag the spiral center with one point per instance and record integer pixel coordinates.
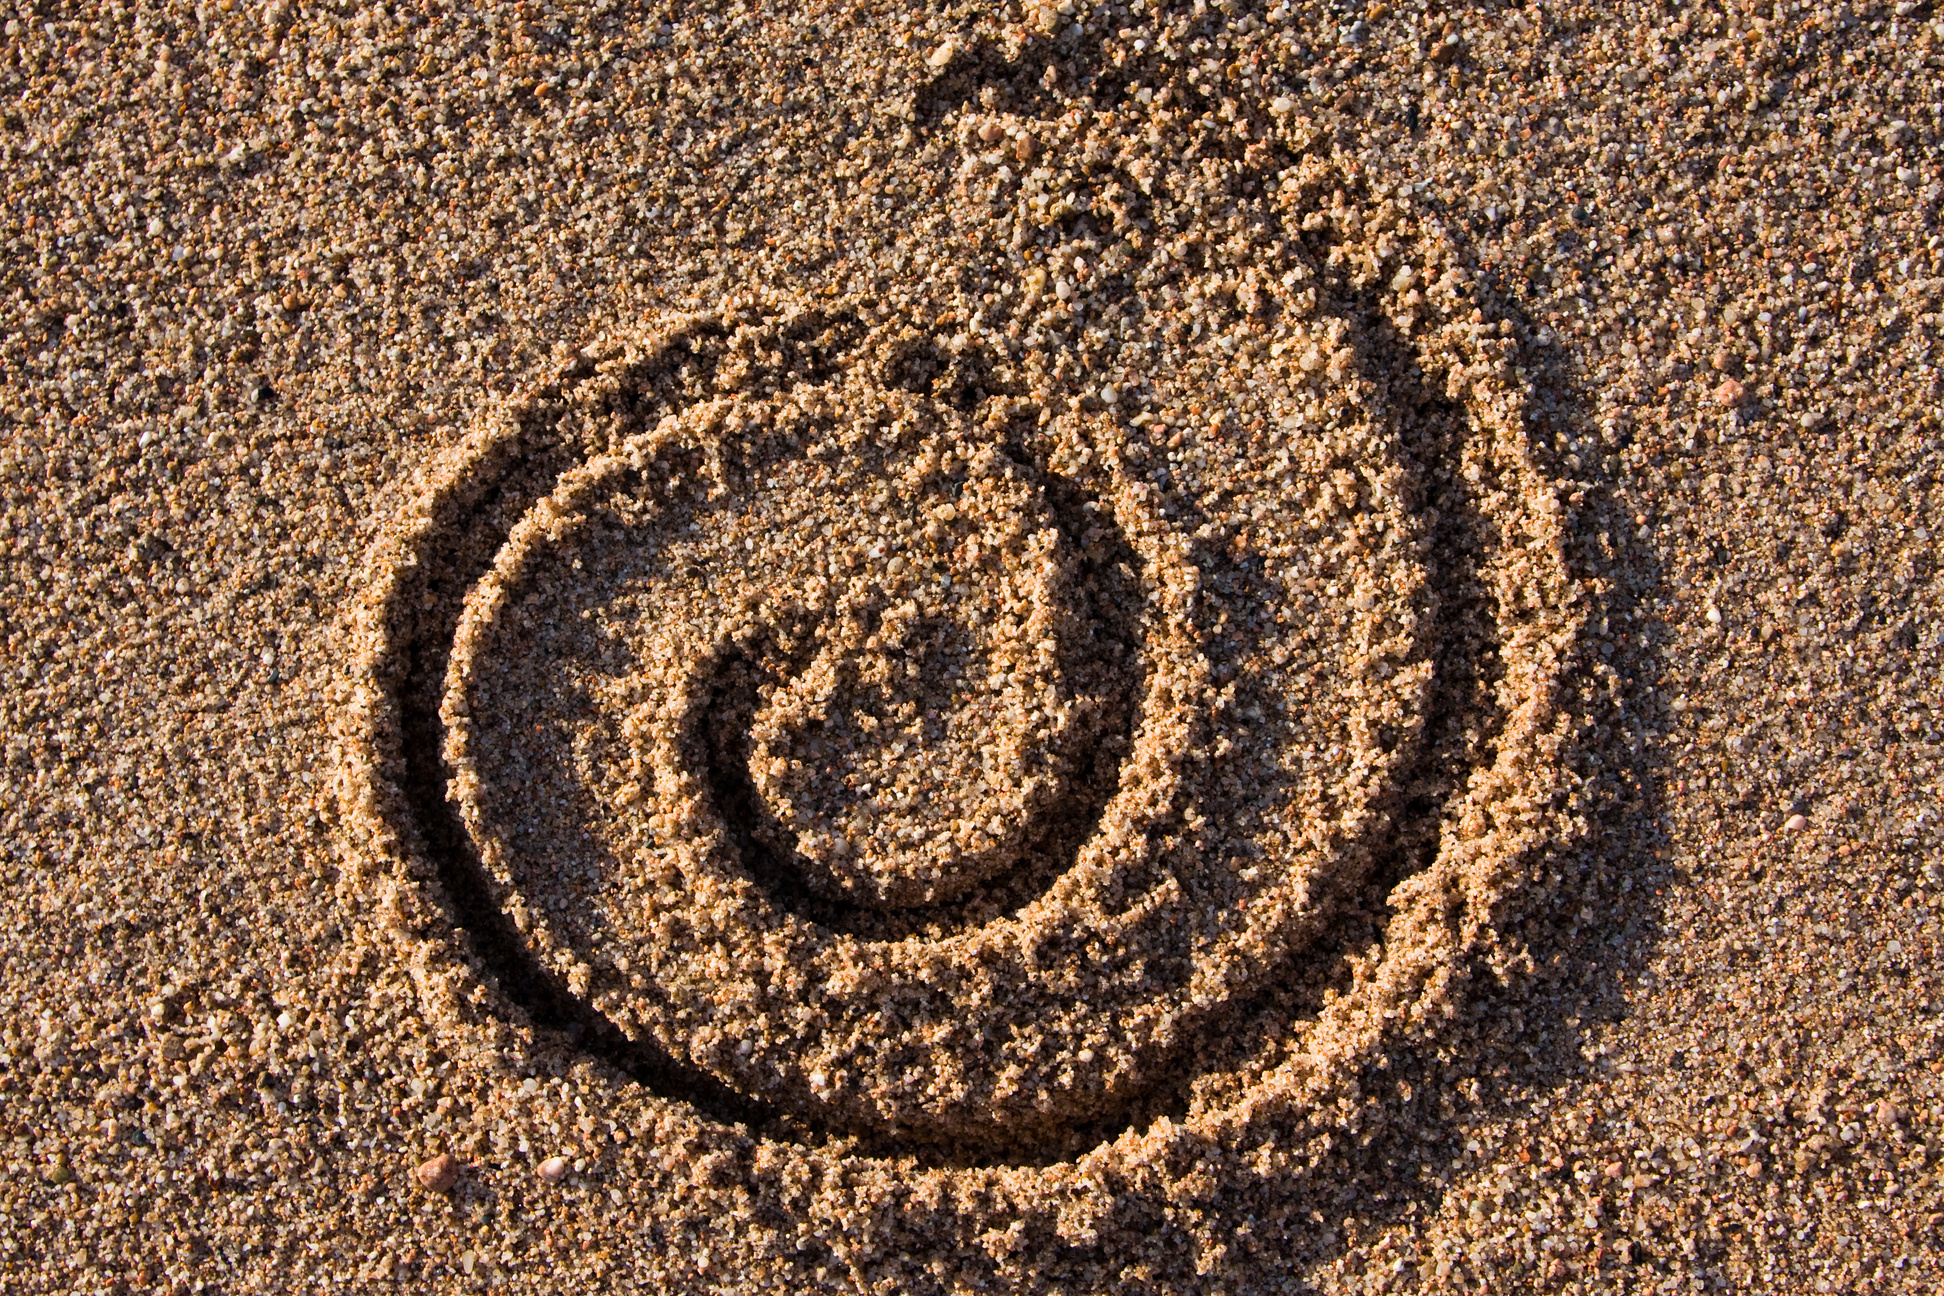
(911, 758)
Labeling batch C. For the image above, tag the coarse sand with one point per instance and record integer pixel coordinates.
(1058, 648)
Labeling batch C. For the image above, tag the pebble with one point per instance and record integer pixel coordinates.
(554, 1169)
(1795, 823)
(439, 1174)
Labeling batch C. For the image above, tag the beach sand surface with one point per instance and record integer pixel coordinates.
(1056, 647)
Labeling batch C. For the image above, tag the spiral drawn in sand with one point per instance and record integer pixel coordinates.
(845, 731)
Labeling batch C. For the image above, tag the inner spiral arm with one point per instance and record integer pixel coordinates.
(985, 1024)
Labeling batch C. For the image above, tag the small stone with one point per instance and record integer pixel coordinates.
(991, 133)
(440, 1174)
(554, 1169)
(942, 55)
(1025, 148)
(1729, 394)
(1796, 823)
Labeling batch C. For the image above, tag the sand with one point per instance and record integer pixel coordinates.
(1079, 647)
